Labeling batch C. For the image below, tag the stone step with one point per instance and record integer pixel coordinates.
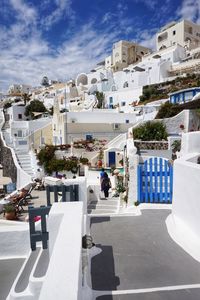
(101, 212)
(24, 163)
(23, 156)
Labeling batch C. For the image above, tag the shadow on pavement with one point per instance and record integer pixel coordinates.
(103, 270)
(96, 220)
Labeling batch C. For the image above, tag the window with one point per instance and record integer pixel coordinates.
(127, 121)
(123, 103)
(89, 137)
(114, 88)
(111, 100)
(19, 116)
(116, 126)
(42, 141)
(174, 32)
(124, 60)
(188, 96)
(19, 133)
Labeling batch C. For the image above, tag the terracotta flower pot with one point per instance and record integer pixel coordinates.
(10, 215)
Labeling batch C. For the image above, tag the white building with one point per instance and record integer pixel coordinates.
(19, 89)
(100, 124)
(123, 54)
(184, 33)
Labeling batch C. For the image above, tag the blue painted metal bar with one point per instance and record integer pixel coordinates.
(156, 178)
(171, 183)
(146, 181)
(151, 181)
(139, 183)
(166, 180)
(161, 178)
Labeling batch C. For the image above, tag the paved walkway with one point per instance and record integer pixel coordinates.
(9, 268)
(138, 255)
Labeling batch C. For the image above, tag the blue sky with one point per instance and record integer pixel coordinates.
(61, 38)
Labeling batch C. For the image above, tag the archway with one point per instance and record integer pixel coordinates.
(82, 78)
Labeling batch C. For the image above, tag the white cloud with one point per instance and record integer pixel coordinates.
(63, 9)
(147, 38)
(151, 4)
(24, 12)
(189, 10)
(28, 60)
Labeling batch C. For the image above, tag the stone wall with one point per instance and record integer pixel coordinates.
(6, 159)
(151, 145)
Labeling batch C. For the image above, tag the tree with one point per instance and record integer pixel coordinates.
(34, 106)
(100, 99)
(26, 97)
(45, 81)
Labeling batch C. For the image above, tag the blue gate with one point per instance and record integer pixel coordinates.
(155, 181)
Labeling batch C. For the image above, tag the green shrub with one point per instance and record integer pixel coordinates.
(150, 131)
(8, 208)
(176, 146)
(46, 154)
(84, 160)
(167, 110)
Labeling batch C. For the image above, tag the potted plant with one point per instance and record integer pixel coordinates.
(121, 162)
(176, 147)
(10, 212)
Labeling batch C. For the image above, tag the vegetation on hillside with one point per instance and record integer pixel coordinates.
(161, 90)
(168, 110)
(150, 131)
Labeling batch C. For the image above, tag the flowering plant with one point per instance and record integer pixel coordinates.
(182, 126)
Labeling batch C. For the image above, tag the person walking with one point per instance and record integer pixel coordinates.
(101, 177)
(106, 185)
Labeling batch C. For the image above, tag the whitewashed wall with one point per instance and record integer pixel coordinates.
(133, 163)
(128, 95)
(173, 124)
(64, 276)
(100, 116)
(190, 142)
(186, 204)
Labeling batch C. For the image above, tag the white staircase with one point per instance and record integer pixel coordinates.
(25, 162)
(101, 206)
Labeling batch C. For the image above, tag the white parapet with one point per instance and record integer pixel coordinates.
(64, 276)
(55, 273)
(184, 222)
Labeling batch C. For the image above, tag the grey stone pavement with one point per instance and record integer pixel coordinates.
(9, 268)
(138, 253)
(188, 294)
